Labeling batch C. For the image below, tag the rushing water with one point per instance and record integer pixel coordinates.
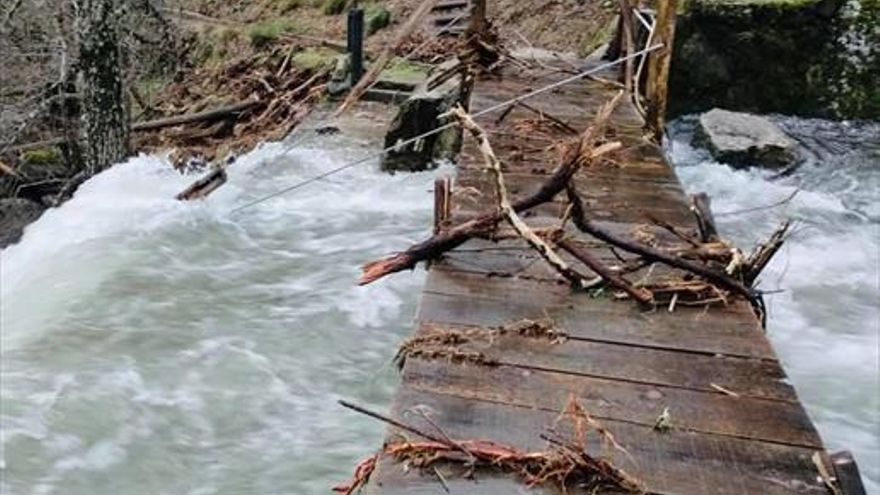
(825, 324)
(155, 347)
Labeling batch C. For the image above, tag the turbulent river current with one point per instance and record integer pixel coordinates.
(157, 347)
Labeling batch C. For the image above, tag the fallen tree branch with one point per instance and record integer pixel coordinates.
(207, 115)
(582, 151)
(507, 211)
(640, 294)
(565, 463)
(764, 253)
(587, 226)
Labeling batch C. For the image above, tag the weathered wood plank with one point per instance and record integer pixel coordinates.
(661, 367)
(705, 412)
(539, 293)
(678, 462)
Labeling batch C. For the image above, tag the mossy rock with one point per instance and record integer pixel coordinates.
(314, 58)
(404, 71)
(376, 18)
(334, 7)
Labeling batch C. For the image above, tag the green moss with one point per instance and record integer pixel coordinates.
(42, 156)
(314, 58)
(333, 7)
(266, 33)
(376, 17)
(404, 69)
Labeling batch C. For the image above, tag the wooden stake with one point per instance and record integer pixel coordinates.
(478, 19)
(658, 67)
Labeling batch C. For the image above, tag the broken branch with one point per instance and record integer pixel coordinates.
(581, 152)
(587, 226)
(507, 211)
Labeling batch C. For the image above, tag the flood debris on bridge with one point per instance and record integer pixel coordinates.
(570, 276)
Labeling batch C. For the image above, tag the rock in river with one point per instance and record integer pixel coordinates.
(15, 215)
(742, 140)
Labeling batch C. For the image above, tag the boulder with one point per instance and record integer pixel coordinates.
(15, 215)
(419, 114)
(744, 140)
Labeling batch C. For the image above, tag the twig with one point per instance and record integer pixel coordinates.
(545, 115)
(701, 208)
(764, 253)
(396, 423)
(585, 225)
(641, 295)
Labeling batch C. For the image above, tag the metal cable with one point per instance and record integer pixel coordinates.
(441, 128)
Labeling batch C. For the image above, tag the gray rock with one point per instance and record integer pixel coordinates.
(744, 140)
(340, 78)
(15, 215)
(419, 114)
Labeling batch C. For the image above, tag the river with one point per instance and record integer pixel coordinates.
(157, 347)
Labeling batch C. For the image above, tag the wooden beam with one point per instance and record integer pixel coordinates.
(658, 67)
(478, 22)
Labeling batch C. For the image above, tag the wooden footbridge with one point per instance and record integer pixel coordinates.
(694, 394)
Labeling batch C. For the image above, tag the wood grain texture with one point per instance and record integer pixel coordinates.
(624, 364)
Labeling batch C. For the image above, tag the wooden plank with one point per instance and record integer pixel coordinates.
(705, 412)
(709, 335)
(678, 462)
(744, 376)
(539, 293)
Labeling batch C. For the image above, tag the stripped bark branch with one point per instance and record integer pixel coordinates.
(506, 209)
(581, 152)
(379, 65)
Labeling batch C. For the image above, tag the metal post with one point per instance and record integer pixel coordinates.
(355, 42)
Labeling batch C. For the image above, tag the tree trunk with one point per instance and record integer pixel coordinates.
(105, 123)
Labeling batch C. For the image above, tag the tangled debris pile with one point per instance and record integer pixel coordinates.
(438, 342)
(709, 270)
(264, 98)
(566, 463)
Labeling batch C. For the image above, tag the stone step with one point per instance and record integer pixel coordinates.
(389, 96)
(451, 5)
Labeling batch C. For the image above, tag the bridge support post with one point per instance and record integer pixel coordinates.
(658, 67)
(478, 23)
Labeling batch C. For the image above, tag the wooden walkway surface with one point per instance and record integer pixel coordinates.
(623, 364)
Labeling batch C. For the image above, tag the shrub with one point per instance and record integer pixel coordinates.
(376, 18)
